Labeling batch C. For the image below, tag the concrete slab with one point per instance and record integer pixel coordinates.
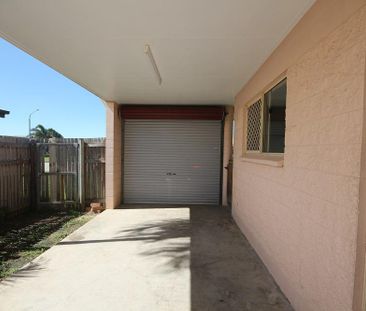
(184, 258)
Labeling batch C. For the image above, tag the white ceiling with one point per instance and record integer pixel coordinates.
(206, 50)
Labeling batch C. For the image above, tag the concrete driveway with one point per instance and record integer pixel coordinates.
(187, 258)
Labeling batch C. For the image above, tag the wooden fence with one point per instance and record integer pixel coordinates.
(16, 174)
(94, 171)
(58, 173)
(61, 172)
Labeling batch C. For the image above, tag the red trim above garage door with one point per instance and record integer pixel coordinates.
(172, 112)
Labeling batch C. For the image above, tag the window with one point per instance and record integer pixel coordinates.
(266, 121)
(254, 130)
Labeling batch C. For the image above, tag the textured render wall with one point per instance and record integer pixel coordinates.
(359, 295)
(302, 218)
(113, 156)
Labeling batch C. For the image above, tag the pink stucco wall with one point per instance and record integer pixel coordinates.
(302, 218)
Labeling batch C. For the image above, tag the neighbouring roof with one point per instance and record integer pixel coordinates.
(3, 113)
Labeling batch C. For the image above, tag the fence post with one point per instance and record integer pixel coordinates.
(81, 173)
(33, 175)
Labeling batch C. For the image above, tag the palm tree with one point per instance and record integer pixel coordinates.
(40, 132)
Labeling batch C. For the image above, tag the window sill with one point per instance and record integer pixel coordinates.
(274, 160)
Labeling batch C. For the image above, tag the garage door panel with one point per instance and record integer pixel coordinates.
(172, 161)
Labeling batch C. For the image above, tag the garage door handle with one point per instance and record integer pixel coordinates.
(171, 174)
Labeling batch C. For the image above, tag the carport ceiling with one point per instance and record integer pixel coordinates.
(205, 49)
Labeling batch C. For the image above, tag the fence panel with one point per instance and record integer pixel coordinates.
(16, 174)
(58, 166)
(94, 172)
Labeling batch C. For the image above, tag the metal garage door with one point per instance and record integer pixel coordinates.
(172, 161)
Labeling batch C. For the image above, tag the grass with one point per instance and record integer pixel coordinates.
(25, 237)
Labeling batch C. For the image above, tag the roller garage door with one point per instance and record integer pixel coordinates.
(172, 161)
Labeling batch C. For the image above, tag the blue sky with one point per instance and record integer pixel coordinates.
(27, 84)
